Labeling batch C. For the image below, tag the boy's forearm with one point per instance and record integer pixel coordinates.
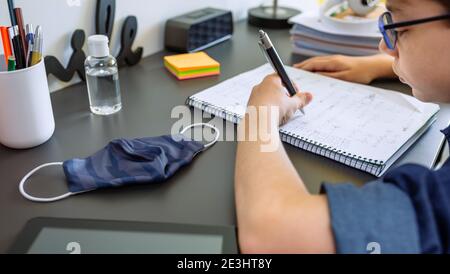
(276, 214)
(263, 171)
(264, 182)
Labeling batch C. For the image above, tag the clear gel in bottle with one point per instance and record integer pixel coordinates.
(102, 76)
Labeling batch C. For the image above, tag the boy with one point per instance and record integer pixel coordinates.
(407, 211)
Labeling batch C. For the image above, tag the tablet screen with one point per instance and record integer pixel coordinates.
(56, 240)
(77, 236)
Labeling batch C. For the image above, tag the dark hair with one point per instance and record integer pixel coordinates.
(445, 3)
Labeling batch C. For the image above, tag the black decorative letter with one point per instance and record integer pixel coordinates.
(105, 16)
(76, 62)
(126, 54)
(106, 13)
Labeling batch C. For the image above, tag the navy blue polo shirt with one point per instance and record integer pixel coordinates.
(407, 211)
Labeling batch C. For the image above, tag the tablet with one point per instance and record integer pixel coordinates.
(73, 236)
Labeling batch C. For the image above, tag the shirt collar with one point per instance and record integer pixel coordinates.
(447, 134)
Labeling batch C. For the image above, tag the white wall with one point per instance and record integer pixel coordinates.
(60, 18)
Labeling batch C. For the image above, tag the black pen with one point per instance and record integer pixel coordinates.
(274, 59)
(17, 45)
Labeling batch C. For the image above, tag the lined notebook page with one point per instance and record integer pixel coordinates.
(360, 120)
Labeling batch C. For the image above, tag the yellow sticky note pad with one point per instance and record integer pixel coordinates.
(192, 65)
(191, 61)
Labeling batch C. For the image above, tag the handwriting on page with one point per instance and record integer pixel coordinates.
(356, 119)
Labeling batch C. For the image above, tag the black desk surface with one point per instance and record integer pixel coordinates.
(200, 194)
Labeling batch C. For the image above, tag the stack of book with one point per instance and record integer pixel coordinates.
(312, 36)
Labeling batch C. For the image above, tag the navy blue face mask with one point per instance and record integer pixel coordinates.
(127, 162)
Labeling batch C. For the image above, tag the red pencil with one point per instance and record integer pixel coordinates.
(6, 43)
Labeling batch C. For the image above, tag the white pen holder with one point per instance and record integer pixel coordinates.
(26, 114)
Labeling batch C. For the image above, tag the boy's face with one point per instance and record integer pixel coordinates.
(422, 55)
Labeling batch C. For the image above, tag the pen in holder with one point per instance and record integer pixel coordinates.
(26, 115)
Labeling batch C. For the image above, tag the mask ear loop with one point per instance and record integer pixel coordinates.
(41, 200)
(208, 126)
(68, 194)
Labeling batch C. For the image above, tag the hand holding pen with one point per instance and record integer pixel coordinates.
(274, 59)
(271, 93)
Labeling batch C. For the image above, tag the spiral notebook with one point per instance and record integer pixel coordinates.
(360, 126)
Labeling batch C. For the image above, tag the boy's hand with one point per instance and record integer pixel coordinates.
(353, 69)
(271, 92)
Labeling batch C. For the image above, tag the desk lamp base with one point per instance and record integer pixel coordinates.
(271, 17)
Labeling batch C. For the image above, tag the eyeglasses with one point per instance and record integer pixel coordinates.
(388, 27)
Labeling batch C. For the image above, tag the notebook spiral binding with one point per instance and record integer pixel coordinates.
(358, 162)
(214, 110)
(371, 166)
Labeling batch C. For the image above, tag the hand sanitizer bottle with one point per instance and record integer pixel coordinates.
(102, 76)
